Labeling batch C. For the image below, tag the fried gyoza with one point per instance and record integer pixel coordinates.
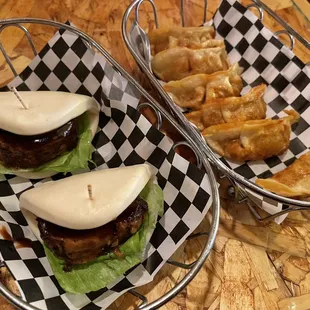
(232, 109)
(294, 181)
(191, 37)
(192, 91)
(251, 140)
(179, 62)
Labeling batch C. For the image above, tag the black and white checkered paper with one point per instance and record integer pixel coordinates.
(124, 137)
(264, 60)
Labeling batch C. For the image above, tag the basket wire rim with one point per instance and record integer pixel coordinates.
(301, 205)
(215, 207)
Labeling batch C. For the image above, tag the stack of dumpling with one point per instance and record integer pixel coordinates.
(201, 80)
(203, 83)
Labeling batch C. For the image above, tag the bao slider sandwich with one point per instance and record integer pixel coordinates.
(94, 226)
(50, 132)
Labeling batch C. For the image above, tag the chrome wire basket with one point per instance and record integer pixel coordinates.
(161, 114)
(139, 47)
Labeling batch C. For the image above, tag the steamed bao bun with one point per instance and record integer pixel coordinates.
(46, 111)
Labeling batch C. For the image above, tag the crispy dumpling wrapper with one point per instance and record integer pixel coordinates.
(180, 62)
(251, 140)
(232, 109)
(193, 91)
(294, 181)
(191, 37)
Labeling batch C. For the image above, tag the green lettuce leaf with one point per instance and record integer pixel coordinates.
(76, 159)
(105, 269)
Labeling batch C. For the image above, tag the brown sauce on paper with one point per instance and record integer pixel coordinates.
(19, 243)
(23, 243)
(5, 234)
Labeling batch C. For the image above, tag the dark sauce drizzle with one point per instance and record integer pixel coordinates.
(19, 243)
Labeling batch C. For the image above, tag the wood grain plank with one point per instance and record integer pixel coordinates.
(259, 302)
(259, 258)
(303, 6)
(305, 284)
(264, 237)
(299, 303)
(237, 274)
(235, 292)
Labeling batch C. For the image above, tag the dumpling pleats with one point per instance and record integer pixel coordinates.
(179, 62)
(294, 181)
(251, 140)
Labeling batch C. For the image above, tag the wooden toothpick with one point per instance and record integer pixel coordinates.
(90, 192)
(20, 99)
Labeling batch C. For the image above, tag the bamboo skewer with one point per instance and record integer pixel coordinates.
(20, 99)
(90, 192)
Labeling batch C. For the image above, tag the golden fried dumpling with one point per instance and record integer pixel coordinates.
(232, 109)
(195, 118)
(251, 140)
(191, 37)
(224, 84)
(174, 42)
(293, 181)
(192, 91)
(179, 62)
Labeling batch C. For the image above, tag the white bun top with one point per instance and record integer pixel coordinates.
(66, 202)
(47, 110)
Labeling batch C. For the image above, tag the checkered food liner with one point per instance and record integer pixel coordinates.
(124, 137)
(264, 60)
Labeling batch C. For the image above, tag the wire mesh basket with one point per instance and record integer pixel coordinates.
(136, 39)
(161, 114)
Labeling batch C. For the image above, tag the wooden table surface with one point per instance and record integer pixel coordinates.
(253, 265)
